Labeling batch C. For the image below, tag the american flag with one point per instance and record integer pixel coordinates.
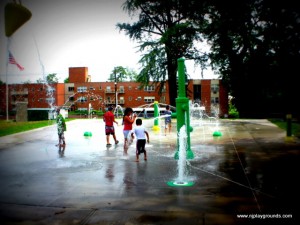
(12, 60)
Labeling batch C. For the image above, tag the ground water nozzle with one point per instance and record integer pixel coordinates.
(87, 134)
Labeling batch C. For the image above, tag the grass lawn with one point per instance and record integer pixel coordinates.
(283, 124)
(11, 127)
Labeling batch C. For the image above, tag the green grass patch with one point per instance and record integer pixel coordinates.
(283, 125)
(11, 127)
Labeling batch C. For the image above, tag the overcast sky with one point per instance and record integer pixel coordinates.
(69, 33)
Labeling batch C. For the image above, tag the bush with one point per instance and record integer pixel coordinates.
(233, 113)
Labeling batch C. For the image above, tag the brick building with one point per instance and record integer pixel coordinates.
(83, 94)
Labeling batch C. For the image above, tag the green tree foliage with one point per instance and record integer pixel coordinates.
(50, 79)
(255, 46)
(118, 74)
(164, 34)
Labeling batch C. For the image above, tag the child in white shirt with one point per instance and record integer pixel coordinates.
(141, 135)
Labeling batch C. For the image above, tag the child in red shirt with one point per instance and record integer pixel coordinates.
(128, 120)
(109, 119)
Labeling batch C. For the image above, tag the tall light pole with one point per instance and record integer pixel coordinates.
(116, 93)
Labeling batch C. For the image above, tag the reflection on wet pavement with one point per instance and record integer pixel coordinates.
(250, 169)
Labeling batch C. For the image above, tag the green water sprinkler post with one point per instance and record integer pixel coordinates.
(289, 136)
(156, 115)
(183, 110)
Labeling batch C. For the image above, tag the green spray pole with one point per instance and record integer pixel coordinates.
(183, 110)
(289, 137)
(156, 115)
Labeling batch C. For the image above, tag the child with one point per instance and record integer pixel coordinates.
(168, 121)
(109, 119)
(128, 120)
(141, 135)
(61, 128)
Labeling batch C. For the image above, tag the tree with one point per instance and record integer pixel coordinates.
(27, 82)
(50, 79)
(255, 46)
(164, 34)
(118, 74)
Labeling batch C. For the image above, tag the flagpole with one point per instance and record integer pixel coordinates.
(6, 95)
(6, 82)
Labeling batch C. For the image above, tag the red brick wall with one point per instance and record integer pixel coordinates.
(78, 74)
(60, 94)
(130, 95)
(37, 95)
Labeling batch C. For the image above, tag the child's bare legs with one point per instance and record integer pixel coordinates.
(107, 139)
(61, 140)
(137, 158)
(125, 146)
(115, 138)
(145, 155)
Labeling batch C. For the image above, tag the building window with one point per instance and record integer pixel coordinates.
(82, 99)
(50, 100)
(149, 88)
(130, 98)
(139, 98)
(50, 90)
(81, 89)
(129, 87)
(214, 100)
(215, 88)
(70, 89)
(92, 88)
(149, 99)
(121, 100)
(100, 87)
(121, 89)
(108, 89)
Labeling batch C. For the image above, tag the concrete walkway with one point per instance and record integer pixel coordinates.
(250, 171)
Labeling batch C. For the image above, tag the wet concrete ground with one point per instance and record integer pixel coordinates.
(251, 170)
